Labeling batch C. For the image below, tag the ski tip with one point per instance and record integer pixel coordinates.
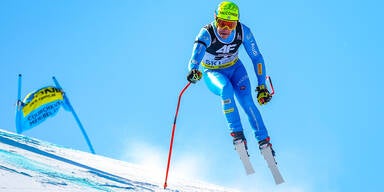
(250, 172)
(280, 182)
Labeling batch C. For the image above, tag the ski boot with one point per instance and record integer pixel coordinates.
(239, 137)
(263, 144)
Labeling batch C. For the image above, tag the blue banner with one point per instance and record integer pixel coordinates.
(37, 106)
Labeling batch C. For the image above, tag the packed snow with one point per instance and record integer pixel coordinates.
(28, 164)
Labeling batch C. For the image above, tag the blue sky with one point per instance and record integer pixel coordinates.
(123, 65)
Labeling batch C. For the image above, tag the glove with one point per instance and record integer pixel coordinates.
(263, 95)
(194, 76)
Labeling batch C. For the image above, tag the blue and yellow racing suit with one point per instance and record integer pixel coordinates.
(226, 76)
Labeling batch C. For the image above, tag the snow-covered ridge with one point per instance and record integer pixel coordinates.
(28, 164)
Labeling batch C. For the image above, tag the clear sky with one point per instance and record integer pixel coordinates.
(123, 64)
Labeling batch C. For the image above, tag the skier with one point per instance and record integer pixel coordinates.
(216, 48)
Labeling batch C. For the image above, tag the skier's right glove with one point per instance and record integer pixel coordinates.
(194, 76)
(263, 95)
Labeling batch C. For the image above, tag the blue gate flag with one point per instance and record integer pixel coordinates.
(37, 106)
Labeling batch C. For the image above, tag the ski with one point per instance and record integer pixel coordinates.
(267, 154)
(240, 149)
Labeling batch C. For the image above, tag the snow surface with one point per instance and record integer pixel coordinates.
(28, 165)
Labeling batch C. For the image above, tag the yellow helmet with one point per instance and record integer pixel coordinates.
(228, 11)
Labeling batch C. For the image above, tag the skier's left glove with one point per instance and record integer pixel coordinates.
(263, 95)
(194, 75)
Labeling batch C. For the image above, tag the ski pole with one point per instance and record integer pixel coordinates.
(270, 82)
(173, 133)
(19, 127)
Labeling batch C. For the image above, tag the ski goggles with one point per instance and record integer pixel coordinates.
(231, 25)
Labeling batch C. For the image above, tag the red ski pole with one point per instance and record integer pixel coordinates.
(271, 85)
(173, 134)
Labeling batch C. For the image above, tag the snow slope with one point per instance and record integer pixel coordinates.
(28, 164)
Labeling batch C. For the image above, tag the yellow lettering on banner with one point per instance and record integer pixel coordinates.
(259, 69)
(42, 97)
